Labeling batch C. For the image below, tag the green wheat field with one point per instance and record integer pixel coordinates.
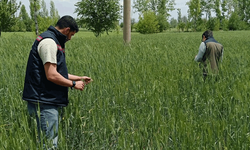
(147, 95)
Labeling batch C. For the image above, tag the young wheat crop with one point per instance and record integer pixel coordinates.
(148, 95)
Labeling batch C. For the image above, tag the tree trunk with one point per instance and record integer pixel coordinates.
(35, 16)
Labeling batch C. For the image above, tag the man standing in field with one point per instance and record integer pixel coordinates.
(47, 78)
(210, 50)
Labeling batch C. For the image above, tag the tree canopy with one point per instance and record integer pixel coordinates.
(160, 8)
(98, 16)
(7, 14)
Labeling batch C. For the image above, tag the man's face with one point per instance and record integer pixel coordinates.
(69, 33)
(203, 38)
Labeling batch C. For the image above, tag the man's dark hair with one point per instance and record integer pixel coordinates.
(67, 21)
(208, 34)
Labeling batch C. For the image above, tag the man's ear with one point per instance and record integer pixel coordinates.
(66, 30)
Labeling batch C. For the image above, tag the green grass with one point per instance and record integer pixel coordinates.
(148, 95)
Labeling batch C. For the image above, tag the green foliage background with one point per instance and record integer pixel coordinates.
(98, 16)
(149, 95)
(148, 23)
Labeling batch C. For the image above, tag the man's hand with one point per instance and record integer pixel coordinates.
(79, 85)
(86, 79)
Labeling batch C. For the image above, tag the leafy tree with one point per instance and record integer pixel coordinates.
(53, 12)
(121, 24)
(153, 5)
(132, 23)
(43, 18)
(239, 10)
(243, 26)
(247, 19)
(18, 27)
(224, 24)
(24, 17)
(217, 7)
(141, 5)
(195, 13)
(189, 22)
(118, 28)
(23, 13)
(231, 6)
(173, 23)
(34, 4)
(34, 9)
(7, 14)
(44, 11)
(162, 13)
(201, 25)
(188, 25)
(162, 22)
(206, 7)
(98, 15)
(181, 26)
(213, 24)
(161, 9)
(184, 19)
(147, 23)
(244, 10)
(233, 21)
(156, 6)
(224, 8)
(179, 15)
(44, 23)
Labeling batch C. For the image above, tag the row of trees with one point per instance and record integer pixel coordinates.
(228, 14)
(103, 15)
(202, 15)
(39, 17)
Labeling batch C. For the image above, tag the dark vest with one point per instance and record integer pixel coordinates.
(211, 39)
(36, 87)
(213, 53)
